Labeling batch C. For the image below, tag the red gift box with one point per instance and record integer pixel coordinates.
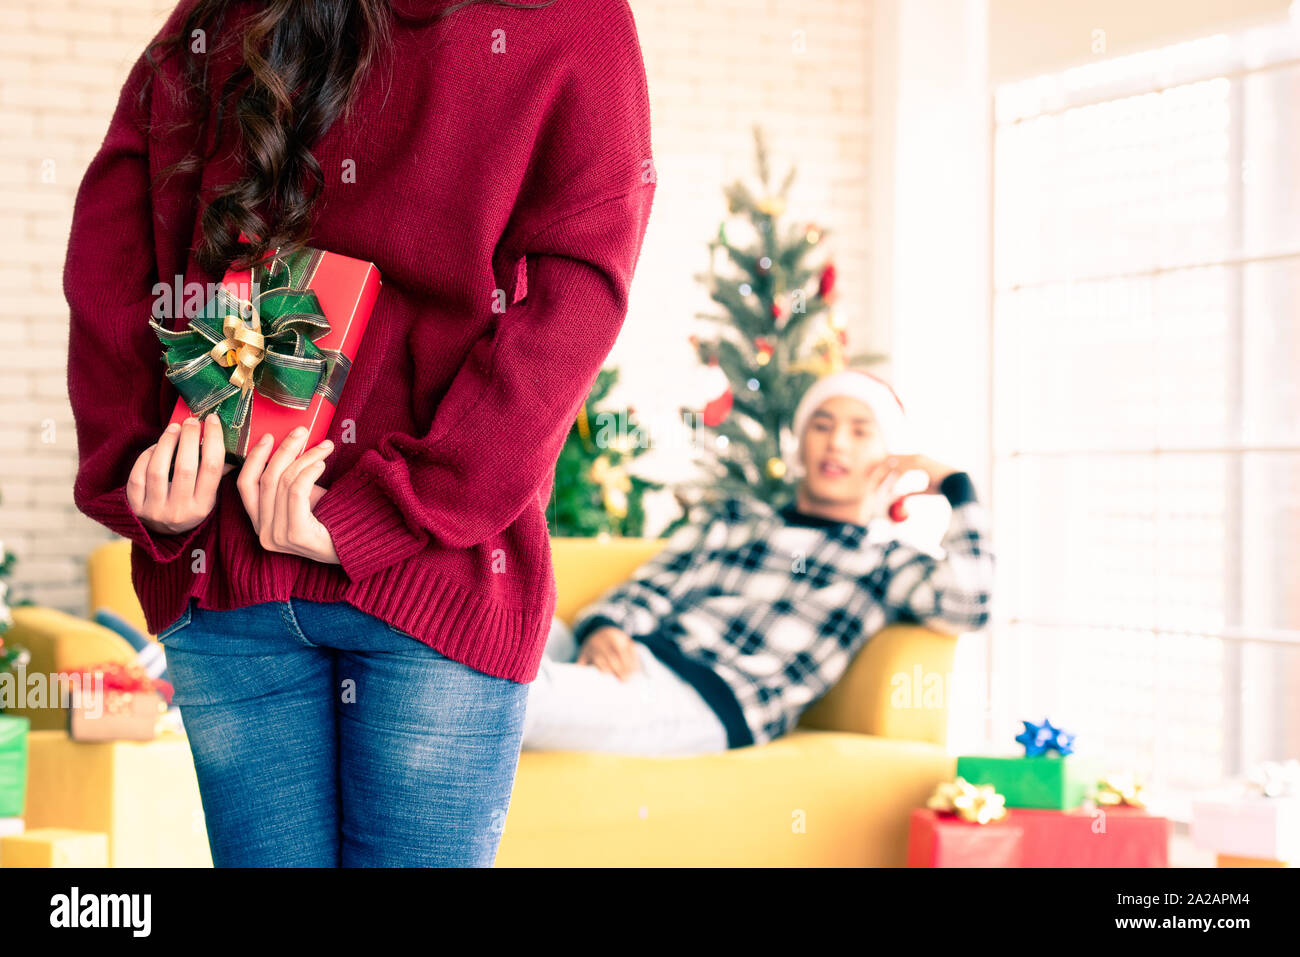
(1104, 837)
(943, 840)
(346, 289)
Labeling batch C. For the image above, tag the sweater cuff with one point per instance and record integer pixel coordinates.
(114, 512)
(958, 489)
(368, 530)
(588, 625)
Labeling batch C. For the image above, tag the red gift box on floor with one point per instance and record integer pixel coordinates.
(943, 840)
(271, 350)
(1103, 837)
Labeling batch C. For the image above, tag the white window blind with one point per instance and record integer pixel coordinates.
(1146, 426)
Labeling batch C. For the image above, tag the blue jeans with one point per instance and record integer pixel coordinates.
(325, 737)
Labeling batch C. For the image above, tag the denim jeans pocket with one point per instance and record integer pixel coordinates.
(181, 622)
(404, 634)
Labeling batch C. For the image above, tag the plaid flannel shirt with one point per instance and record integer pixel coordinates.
(762, 610)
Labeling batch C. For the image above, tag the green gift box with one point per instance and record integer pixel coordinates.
(1047, 781)
(13, 765)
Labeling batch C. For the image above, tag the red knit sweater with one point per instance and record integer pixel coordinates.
(502, 153)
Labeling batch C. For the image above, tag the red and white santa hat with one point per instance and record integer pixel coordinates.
(866, 387)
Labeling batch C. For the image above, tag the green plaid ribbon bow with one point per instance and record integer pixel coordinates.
(236, 346)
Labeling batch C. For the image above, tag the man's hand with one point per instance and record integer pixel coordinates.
(612, 651)
(899, 464)
(279, 491)
(173, 506)
(882, 476)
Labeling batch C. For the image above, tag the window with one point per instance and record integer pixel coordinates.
(1146, 440)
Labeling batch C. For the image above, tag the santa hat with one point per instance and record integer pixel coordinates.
(867, 388)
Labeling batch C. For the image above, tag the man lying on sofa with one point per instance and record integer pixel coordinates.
(738, 625)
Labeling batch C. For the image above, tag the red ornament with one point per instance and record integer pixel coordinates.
(716, 412)
(763, 345)
(897, 510)
(826, 285)
(776, 311)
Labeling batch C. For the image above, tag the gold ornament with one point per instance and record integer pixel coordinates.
(763, 358)
(614, 485)
(980, 804)
(771, 205)
(775, 468)
(812, 236)
(1120, 788)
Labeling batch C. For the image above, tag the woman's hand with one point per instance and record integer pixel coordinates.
(170, 507)
(279, 491)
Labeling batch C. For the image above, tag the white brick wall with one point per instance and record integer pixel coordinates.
(62, 65)
(715, 68)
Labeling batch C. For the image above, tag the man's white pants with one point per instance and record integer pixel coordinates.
(573, 707)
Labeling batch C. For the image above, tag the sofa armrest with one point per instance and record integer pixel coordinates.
(883, 692)
(60, 642)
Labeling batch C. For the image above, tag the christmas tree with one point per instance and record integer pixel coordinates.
(780, 333)
(10, 655)
(594, 493)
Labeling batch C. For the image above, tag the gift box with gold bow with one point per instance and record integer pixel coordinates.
(271, 350)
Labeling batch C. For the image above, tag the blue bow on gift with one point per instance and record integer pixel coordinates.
(1038, 739)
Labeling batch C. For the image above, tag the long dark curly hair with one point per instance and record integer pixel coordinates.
(302, 65)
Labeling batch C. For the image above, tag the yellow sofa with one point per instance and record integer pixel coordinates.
(836, 791)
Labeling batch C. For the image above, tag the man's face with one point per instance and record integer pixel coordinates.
(840, 442)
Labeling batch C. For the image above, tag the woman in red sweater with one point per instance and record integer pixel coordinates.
(351, 628)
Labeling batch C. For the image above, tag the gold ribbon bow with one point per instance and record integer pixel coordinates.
(1120, 788)
(978, 804)
(243, 347)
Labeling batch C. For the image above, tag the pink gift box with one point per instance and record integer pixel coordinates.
(1248, 825)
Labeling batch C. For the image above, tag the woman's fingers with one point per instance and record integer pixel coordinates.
(136, 481)
(300, 521)
(293, 511)
(211, 462)
(185, 469)
(156, 478)
(250, 478)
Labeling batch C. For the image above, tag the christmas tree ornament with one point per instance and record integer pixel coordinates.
(614, 485)
(771, 205)
(776, 467)
(593, 500)
(826, 284)
(584, 427)
(717, 410)
(812, 235)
